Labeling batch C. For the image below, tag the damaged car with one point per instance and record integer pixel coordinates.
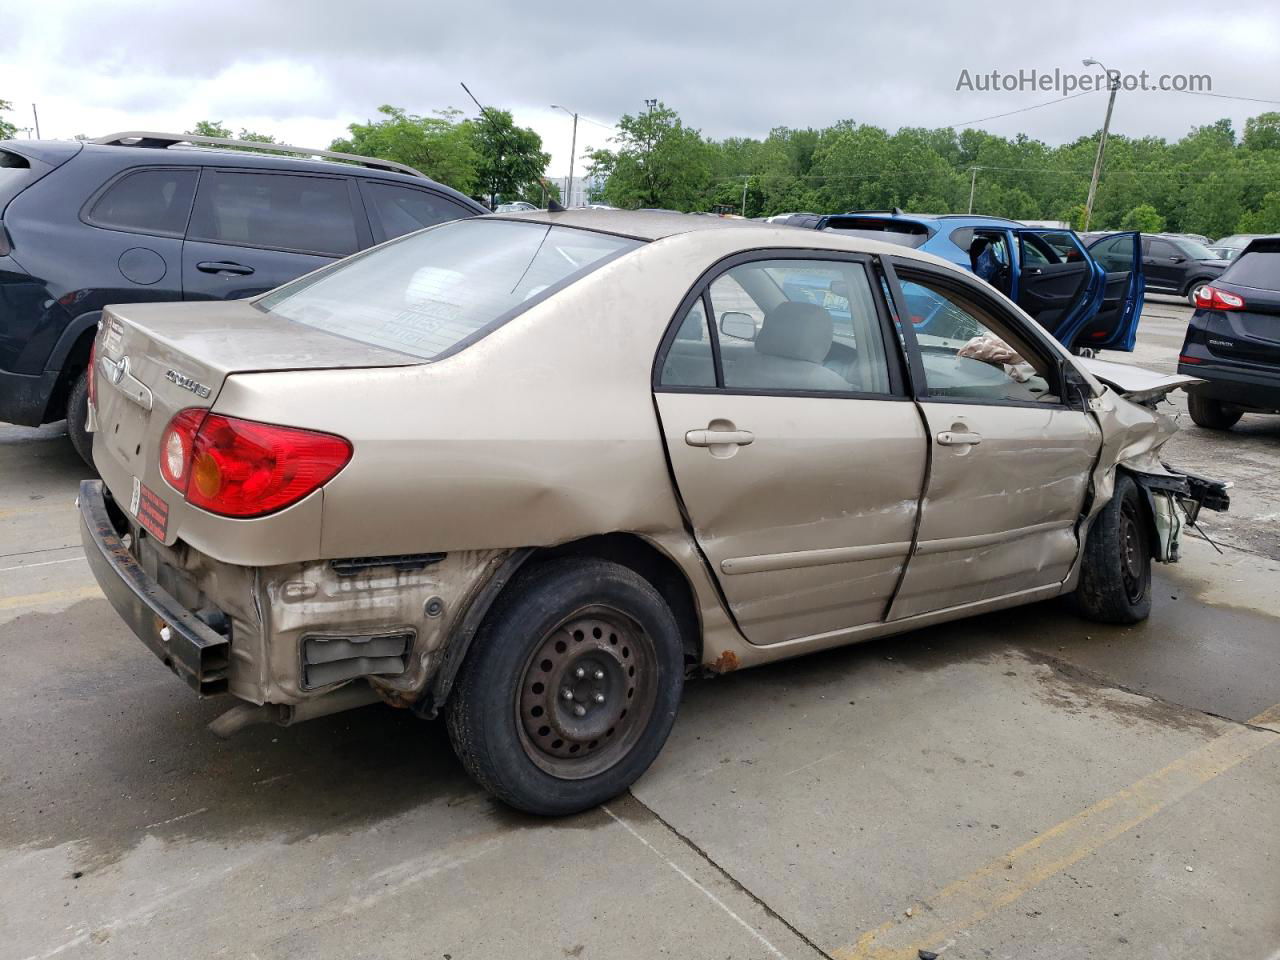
(530, 471)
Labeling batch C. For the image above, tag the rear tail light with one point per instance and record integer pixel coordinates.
(241, 468)
(1185, 358)
(1211, 298)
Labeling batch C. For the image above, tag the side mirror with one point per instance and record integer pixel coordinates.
(740, 326)
(1177, 259)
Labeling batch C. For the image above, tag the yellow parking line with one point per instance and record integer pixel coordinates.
(1005, 879)
(50, 596)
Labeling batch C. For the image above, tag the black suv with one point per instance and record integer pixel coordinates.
(1178, 265)
(144, 217)
(1233, 340)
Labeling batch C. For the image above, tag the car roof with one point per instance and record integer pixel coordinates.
(181, 154)
(753, 234)
(637, 224)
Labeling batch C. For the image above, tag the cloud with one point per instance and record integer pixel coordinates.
(731, 69)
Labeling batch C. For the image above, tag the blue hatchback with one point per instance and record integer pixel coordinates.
(1087, 297)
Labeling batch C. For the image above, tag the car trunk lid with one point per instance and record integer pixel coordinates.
(152, 361)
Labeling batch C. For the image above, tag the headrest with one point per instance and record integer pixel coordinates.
(798, 331)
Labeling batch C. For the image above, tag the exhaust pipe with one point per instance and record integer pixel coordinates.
(287, 714)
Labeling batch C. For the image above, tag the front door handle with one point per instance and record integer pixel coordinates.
(956, 438)
(715, 438)
(226, 268)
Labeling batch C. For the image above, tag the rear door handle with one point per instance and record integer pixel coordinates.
(715, 438)
(224, 267)
(956, 438)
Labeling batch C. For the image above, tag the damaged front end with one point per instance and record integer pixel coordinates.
(1134, 430)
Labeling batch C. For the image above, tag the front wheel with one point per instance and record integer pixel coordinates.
(1115, 574)
(570, 688)
(1212, 414)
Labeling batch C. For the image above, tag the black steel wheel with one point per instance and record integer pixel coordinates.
(1115, 573)
(1212, 414)
(570, 688)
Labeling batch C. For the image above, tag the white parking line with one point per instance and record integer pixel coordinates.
(709, 895)
(45, 563)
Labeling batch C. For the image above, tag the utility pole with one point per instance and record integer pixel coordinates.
(36, 117)
(973, 184)
(1113, 82)
(745, 181)
(573, 149)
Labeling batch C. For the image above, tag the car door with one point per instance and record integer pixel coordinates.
(1010, 453)
(396, 209)
(1163, 264)
(1115, 325)
(252, 230)
(797, 455)
(140, 216)
(1058, 283)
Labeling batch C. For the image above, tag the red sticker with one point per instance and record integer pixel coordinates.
(153, 513)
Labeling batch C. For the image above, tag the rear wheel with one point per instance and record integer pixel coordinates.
(1115, 575)
(1212, 414)
(570, 689)
(78, 418)
(1193, 289)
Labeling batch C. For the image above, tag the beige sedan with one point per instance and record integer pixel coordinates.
(532, 470)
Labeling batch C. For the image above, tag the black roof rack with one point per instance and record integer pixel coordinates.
(145, 138)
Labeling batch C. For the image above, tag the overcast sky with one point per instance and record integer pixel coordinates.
(304, 70)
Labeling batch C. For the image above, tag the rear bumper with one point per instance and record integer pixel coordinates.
(1253, 385)
(184, 643)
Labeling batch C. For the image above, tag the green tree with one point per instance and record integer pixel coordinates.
(211, 128)
(7, 129)
(1266, 219)
(1262, 132)
(1144, 218)
(509, 160)
(657, 162)
(439, 145)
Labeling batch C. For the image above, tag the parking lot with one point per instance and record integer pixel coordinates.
(1024, 784)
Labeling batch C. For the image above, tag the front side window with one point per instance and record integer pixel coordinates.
(430, 293)
(275, 211)
(799, 325)
(147, 201)
(1115, 254)
(968, 353)
(399, 210)
(1164, 250)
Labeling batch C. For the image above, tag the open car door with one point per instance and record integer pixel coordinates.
(1056, 281)
(1115, 325)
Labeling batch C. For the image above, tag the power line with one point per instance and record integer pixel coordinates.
(1034, 106)
(1222, 96)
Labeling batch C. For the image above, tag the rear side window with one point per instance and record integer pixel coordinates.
(276, 211)
(1115, 254)
(399, 210)
(15, 175)
(147, 201)
(432, 293)
(1258, 268)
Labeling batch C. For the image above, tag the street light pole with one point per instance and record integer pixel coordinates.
(1113, 82)
(573, 149)
(36, 117)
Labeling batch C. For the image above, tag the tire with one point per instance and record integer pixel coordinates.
(1115, 575)
(511, 725)
(1193, 287)
(1212, 414)
(78, 418)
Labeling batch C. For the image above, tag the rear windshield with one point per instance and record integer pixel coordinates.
(902, 232)
(1258, 268)
(435, 291)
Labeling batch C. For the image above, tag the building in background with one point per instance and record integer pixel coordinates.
(582, 187)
